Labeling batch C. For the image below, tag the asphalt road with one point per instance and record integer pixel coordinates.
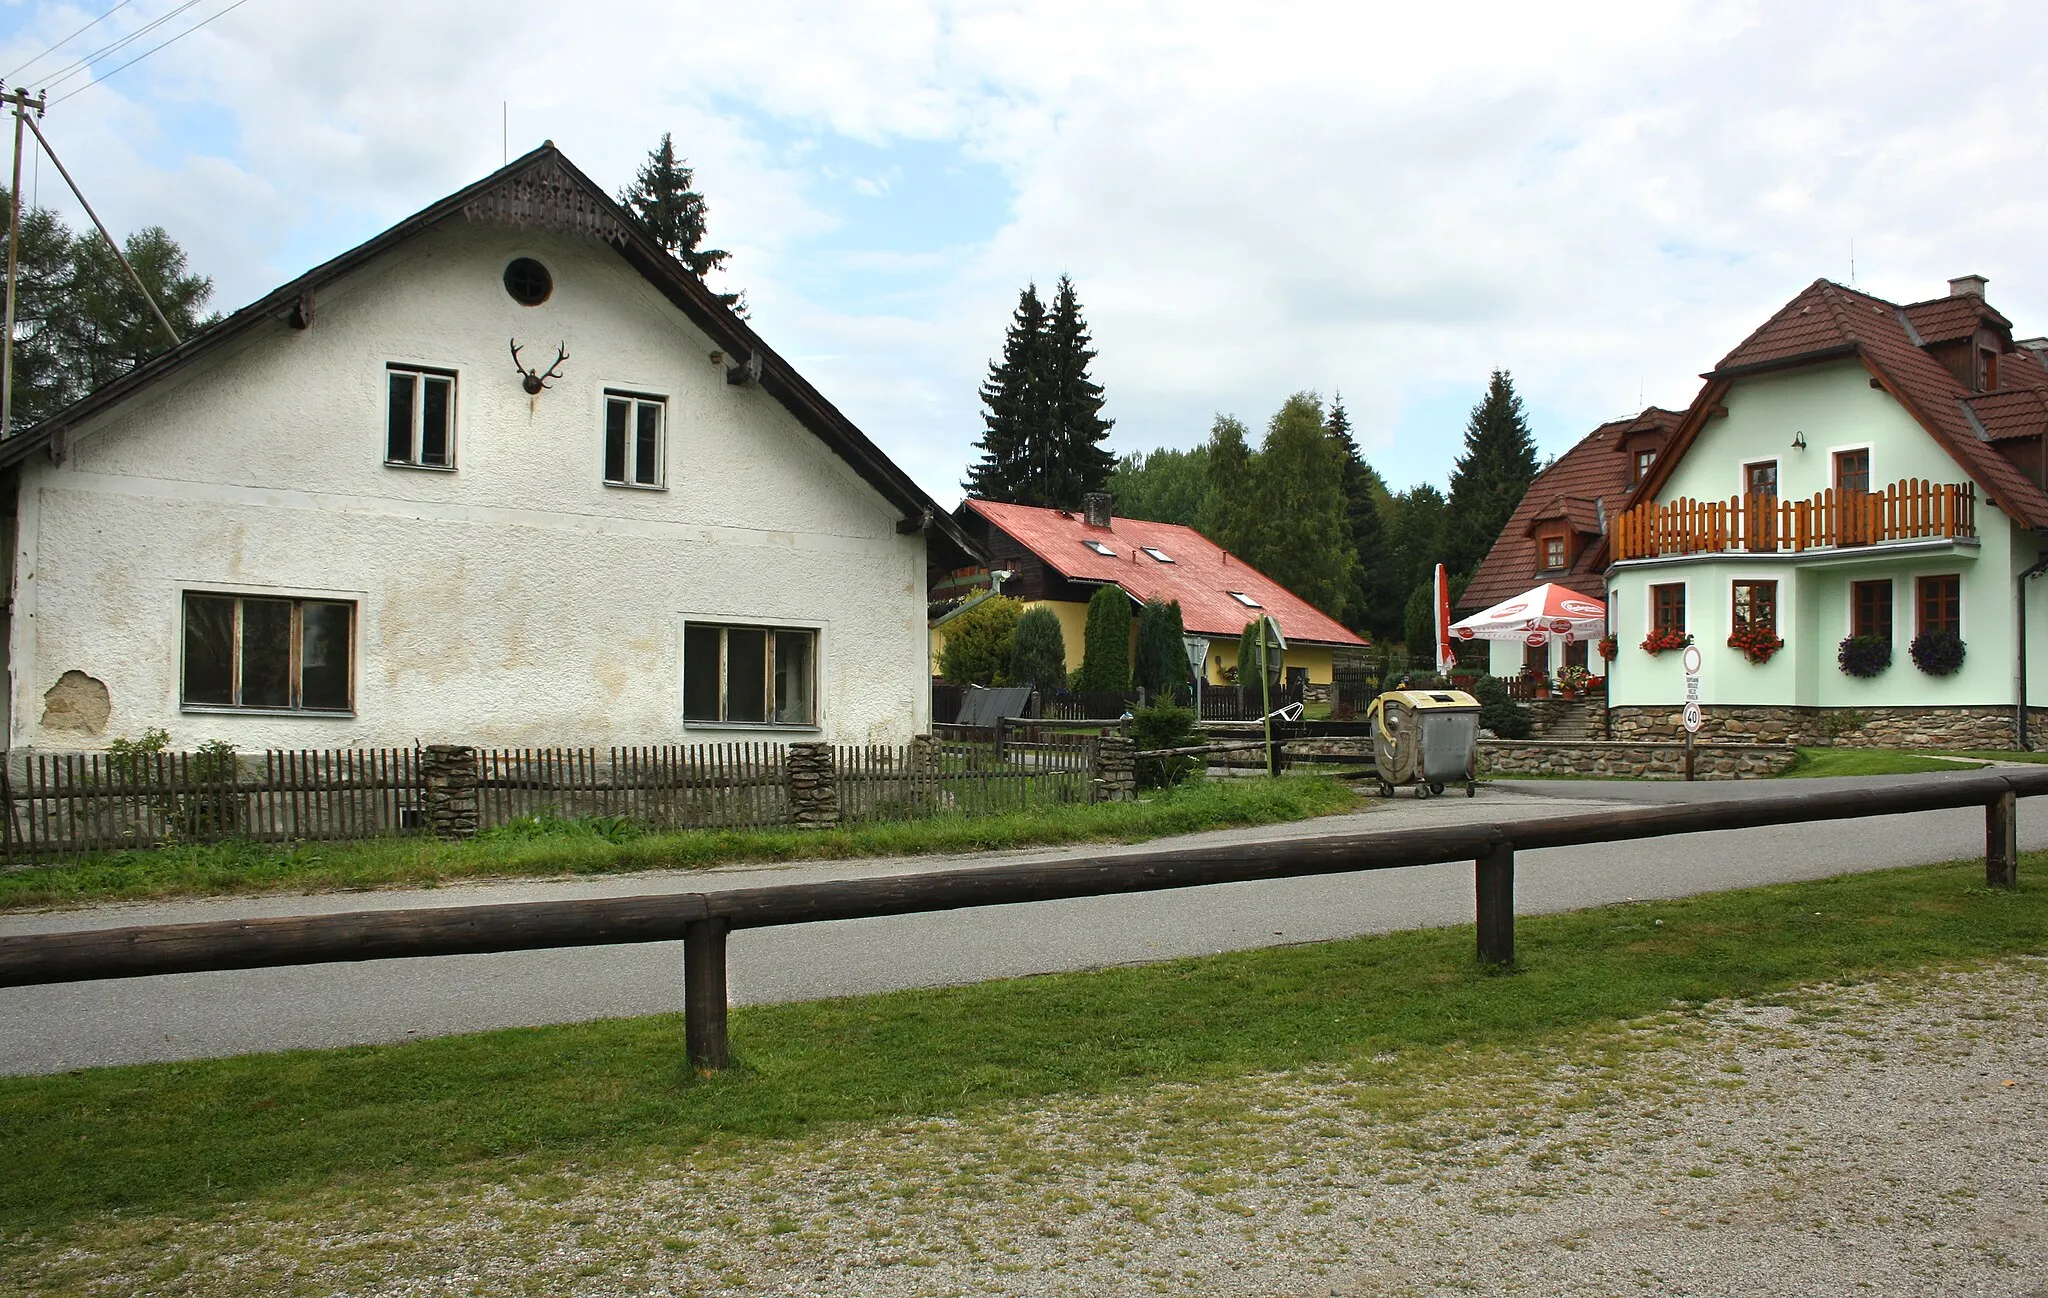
(52, 1029)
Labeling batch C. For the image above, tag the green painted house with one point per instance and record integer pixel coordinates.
(1859, 487)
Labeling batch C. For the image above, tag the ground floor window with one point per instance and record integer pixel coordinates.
(285, 655)
(1667, 605)
(1536, 660)
(1756, 604)
(744, 675)
(1870, 608)
(1575, 654)
(1940, 604)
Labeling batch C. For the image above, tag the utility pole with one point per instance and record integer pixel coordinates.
(22, 103)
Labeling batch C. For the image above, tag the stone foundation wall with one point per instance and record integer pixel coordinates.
(1975, 727)
(1116, 769)
(1653, 761)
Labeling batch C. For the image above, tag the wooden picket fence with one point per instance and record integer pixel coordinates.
(667, 786)
(1909, 509)
(975, 779)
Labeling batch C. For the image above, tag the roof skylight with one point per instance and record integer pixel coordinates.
(1245, 599)
(1099, 548)
(1157, 553)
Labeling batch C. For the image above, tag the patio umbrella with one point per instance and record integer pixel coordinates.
(1533, 617)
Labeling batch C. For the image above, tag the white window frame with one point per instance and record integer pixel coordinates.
(421, 375)
(814, 632)
(298, 599)
(1650, 605)
(634, 401)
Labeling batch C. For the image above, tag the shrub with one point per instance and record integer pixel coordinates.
(1162, 666)
(1038, 651)
(1938, 653)
(1865, 655)
(1248, 656)
(1167, 725)
(1499, 713)
(978, 643)
(1106, 647)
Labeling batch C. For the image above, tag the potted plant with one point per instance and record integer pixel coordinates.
(1938, 653)
(1609, 647)
(1757, 643)
(1864, 656)
(1575, 680)
(1660, 641)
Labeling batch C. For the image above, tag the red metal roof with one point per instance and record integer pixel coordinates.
(1201, 575)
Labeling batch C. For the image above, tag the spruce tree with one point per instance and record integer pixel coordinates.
(1304, 538)
(1491, 476)
(1415, 536)
(1075, 462)
(1013, 415)
(1106, 648)
(662, 203)
(1373, 607)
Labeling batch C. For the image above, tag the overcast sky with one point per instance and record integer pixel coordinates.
(1253, 198)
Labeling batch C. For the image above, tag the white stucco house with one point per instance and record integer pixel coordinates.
(341, 516)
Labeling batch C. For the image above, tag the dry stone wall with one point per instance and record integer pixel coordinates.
(1971, 727)
(1653, 761)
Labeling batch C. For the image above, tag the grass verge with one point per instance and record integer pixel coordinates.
(190, 1137)
(560, 847)
(1815, 763)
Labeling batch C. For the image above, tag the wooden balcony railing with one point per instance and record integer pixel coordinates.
(1909, 509)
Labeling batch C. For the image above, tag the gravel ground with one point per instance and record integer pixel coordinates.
(1884, 1138)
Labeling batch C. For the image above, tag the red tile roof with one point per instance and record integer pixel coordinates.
(1201, 575)
(1827, 320)
(1952, 319)
(1589, 477)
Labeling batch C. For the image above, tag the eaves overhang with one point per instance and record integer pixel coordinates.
(1962, 547)
(1841, 351)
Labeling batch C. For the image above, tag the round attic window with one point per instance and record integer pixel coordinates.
(528, 282)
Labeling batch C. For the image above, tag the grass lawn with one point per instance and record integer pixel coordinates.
(558, 847)
(1816, 762)
(187, 1138)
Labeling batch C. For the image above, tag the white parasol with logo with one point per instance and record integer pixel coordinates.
(1536, 617)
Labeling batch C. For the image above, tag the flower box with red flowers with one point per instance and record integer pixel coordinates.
(1609, 647)
(1658, 641)
(1757, 643)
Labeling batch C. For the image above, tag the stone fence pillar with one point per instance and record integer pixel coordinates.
(448, 774)
(813, 786)
(1116, 769)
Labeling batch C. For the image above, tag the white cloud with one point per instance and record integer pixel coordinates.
(1253, 199)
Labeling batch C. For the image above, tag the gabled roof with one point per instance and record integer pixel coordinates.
(1201, 575)
(1585, 482)
(1952, 319)
(1827, 321)
(544, 190)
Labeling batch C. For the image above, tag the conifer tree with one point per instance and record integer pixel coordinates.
(1230, 516)
(663, 204)
(1106, 648)
(1374, 605)
(1075, 463)
(1303, 540)
(1491, 476)
(1162, 661)
(1012, 418)
(1038, 651)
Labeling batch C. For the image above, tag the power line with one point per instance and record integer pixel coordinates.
(153, 49)
(67, 40)
(76, 66)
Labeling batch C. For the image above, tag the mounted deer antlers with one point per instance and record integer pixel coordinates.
(533, 380)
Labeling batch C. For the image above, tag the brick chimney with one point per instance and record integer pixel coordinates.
(1968, 286)
(1095, 508)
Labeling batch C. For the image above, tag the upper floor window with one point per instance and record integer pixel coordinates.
(749, 675)
(1667, 608)
(1761, 479)
(1870, 608)
(1099, 547)
(1940, 603)
(419, 427)
(1159, 554)
(1644, 459)
(1245, 599)
(276, 655)
(633, 435)
(1852, 471)
(1553, 553)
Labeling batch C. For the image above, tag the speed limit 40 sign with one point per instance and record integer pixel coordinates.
(1691, 660)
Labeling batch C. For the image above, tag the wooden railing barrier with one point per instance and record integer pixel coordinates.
(1909, 509)
(702, 919)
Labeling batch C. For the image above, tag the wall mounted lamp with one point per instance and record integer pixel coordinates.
(1799, 441)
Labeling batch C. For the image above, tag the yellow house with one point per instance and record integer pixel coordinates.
(1058, 559)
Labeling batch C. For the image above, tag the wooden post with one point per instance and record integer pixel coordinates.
(2001, 841)
(704, 995)
(1493, 880)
